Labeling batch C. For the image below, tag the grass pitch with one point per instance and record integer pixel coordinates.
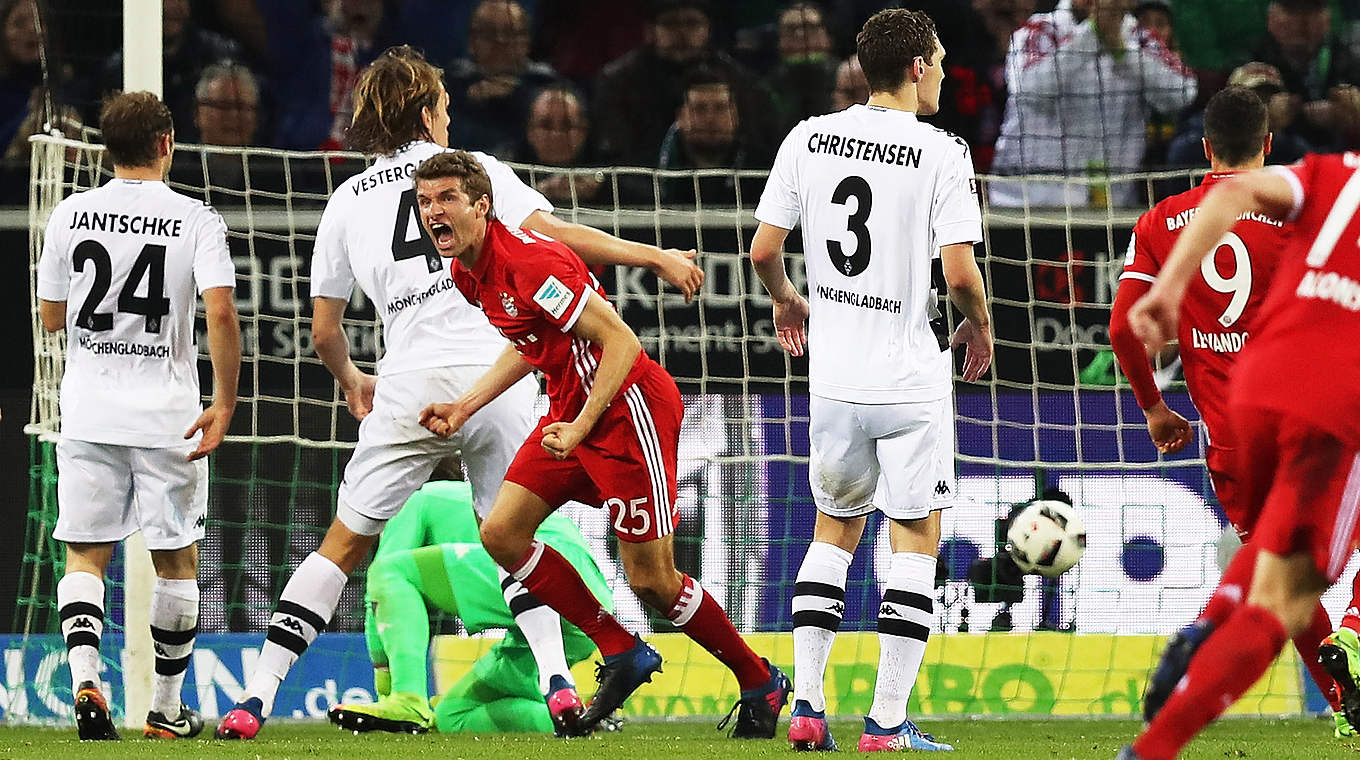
(1292, 739)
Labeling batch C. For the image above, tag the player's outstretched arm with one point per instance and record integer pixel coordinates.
(790, 309)
(603, 326)
(444, 419)
(1156, 315)
(1170, 432)
(966, 290)
(599, 248)
(224, 350)
(332, 345)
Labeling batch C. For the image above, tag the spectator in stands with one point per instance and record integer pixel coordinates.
(802, 80)
(1082, 81)
(1187, 150)
(708, 134)
(490, 90)
(186, 50)
(1319, 71)
(851, 86)
(227, 105)
(557, 134)
(637, 95)
(579, 37)
(1219, 34)
(973, 96)
(20, 74)
(316, 60)
(1154, 18)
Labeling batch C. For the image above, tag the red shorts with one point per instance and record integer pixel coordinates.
(1304, 485)
(1219, 463)
(626, 464)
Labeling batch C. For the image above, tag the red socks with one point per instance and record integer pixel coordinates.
(698, 614)
(551, 578)
(1232, 589)
(1229, 662)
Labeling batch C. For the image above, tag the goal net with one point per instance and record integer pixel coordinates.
(1053, 414)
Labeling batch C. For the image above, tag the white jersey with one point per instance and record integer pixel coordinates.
(878, 193)
(126, 258)
(370, 233)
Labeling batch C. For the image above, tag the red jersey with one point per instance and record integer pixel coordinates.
(1221, 307)
(1304, 360)
(533, 289)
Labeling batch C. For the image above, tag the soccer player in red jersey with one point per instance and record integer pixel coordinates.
(609, 438)
(1218, 315)
(1294, 405)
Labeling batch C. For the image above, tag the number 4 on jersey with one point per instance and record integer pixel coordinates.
(402, 248)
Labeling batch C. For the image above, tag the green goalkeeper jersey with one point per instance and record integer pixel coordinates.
(441, 513)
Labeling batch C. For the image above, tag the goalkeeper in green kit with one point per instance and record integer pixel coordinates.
(430, 557)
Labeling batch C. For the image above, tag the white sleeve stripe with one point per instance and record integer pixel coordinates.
(1295, 186)
(1137, 276)
(576, 313)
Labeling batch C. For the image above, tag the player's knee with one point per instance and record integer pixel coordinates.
(502, 542)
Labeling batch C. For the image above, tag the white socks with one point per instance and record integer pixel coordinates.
(174, 624)
(304, 609)
(541, 626)
(818, 605)
(80, 602)
(904, 620)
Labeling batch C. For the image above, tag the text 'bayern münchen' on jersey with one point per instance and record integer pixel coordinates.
(533, 289)
(1221, 304)
(370, 234)
(878, 194)
(126, 258)
(1304, 360)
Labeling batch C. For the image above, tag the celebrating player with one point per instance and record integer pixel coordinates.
(880, 197)
(610, 438)
(430, 555)
(437, 345)
(134, 433)
(1294, 406)
(1219, 313)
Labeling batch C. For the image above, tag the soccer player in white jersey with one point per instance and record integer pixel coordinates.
(437, 345)
(880, 196)
(128, 257)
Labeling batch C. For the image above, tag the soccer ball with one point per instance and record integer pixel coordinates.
(1046, 537)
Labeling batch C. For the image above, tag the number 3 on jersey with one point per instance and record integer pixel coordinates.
(402, 248)
(855, 263)
(1239, 284)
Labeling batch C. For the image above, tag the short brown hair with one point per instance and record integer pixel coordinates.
(888, 44)
(389, 98)
(1235, 124)
(133, 124)
(461, 165)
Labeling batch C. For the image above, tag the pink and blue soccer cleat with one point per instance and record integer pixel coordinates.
(243, 721)
(904, 737)
(808, 731)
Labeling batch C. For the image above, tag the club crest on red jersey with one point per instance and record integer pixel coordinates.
(508, 303)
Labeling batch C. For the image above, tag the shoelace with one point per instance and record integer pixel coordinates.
(911, 727)
(728, 718)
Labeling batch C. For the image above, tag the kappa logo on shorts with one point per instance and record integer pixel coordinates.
(199, 522)
(554, 297)
(942, 488)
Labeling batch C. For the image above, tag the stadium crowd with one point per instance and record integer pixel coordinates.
(1074, 87)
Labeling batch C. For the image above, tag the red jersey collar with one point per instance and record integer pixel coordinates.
(1214, 177)
(493, 230)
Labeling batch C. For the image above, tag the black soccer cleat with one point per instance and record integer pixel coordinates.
(758, 709)
(1172, 667)
(619, 676)
(93, 720)
(186, 725)
(1334, 658)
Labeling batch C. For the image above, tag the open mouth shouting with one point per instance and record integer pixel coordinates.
(442, 235)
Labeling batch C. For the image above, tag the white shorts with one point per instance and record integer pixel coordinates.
(395, 455)
(897, 458)
(106, 492)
